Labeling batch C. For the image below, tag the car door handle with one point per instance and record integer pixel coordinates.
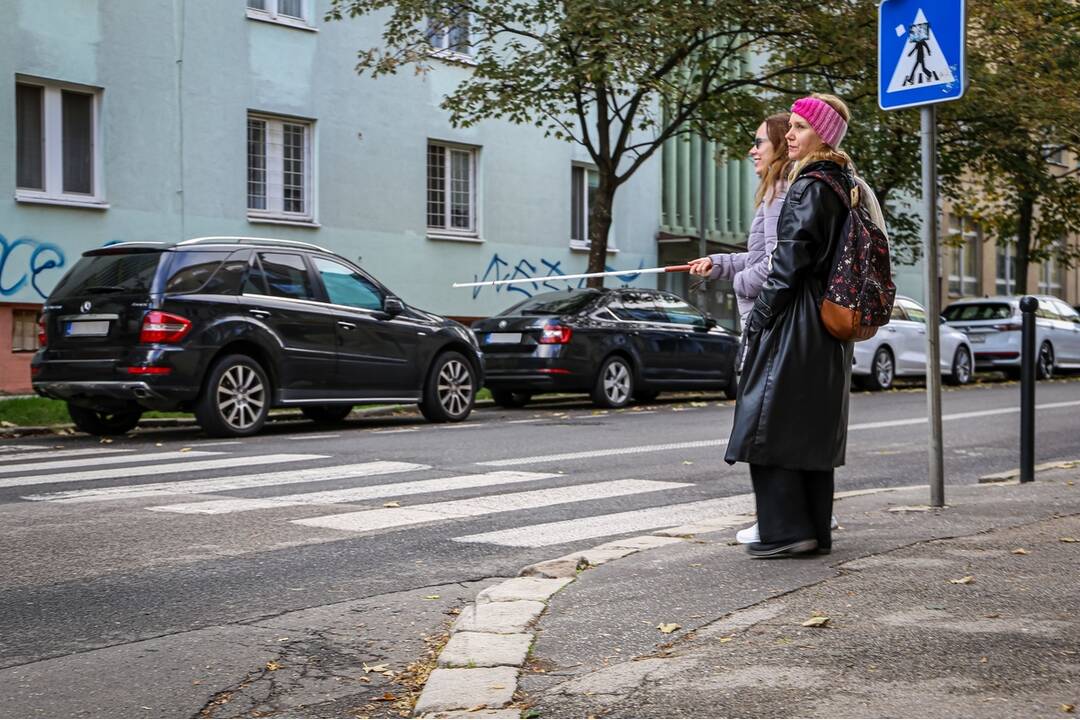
(346, 325)
(259, 313)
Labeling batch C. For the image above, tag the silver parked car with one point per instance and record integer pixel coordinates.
(899, 348)
(993, 327)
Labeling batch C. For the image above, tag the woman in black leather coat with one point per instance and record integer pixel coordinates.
(791, 415)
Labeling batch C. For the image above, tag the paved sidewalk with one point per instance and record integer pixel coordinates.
(968, 611)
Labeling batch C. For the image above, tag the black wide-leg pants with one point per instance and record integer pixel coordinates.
(793, 505)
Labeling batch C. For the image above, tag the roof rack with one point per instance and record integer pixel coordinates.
(250, 241)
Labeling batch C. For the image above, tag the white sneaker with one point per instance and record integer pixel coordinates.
(751, 535)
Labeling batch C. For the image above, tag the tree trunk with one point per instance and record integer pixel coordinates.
(599, 227)
(1023, 242)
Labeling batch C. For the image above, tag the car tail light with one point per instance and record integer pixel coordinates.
(1006, 327)
(42, 335)
(147, 370)
(555, 335)
(163, 327)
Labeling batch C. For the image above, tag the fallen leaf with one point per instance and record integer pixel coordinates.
(187, 449)
(477, 708)
(431, 597)
(282, 639)
(273, 665)
(106, 441)
(687, 462)
(159, 444)
(966, 580)
(385, 697)
(816, 621)
(1019, 551)
(1068, 539)
(699, 404)
(668, 628)
(392, 503)
(365, 678)
(381, 667)
(496, 687)
(992, 616)
(1067, 707)
(983, 659)
(725, 640)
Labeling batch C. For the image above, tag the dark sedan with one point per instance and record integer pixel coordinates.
(613, 344)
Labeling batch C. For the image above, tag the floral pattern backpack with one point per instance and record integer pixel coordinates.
(860, 293)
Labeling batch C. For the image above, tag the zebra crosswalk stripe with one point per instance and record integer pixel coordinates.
(41, 454)
(387, 518)
(586, 528)
(120, 460)
(232, 482)
(162, 469)
(603, 453)
(348, 495)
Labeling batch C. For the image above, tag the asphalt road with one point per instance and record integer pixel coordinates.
(153, 575)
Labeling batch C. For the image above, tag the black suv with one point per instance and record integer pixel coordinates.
(231, 327)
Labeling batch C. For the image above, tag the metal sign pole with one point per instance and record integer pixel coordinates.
(933, 304)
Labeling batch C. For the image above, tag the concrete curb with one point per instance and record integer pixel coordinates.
(1015, 473)
(488, 635)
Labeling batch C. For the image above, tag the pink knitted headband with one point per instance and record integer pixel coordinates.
(827, 123)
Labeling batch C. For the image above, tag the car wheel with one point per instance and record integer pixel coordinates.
(1044, 366)
(882, 370)
(646, 396)
(614, 384)
(236, 399)
(326, 414)
(510, 399)
(450, 391)
(104, 422)
(961, 367)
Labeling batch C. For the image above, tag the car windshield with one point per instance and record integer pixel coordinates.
(978, 311)
(111, 273)
(556, 303)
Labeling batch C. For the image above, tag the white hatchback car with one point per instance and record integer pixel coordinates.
(899, 349)
(993, 328)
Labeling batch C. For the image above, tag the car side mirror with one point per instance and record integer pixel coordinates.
(393, 306)
(710, 322)
(944, 320)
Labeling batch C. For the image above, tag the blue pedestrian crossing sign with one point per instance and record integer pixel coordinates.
(920, 52)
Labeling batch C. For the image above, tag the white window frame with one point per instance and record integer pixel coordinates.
(969, 284)
(274, 148)
(1006, 285)
(270, 14)
(446, 231)
(577, 243)
(440, 45)
(53, 152)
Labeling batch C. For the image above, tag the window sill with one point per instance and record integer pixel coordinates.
(452, 56)
(266, 17)
(476, 239)
(256, 220)
(36, 199)
(576, 246)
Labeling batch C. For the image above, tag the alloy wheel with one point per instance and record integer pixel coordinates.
(962, 367)
(241, 397)
(883, 369)
(617, 382)
(1046, 362)
(455, 387)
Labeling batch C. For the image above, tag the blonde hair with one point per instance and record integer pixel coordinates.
(826, 152)
(776, 129)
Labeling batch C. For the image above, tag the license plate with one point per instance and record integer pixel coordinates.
(977, 338)
(86, 328)
(502, 338)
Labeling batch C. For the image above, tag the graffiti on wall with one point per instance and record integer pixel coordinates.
(535, 278)
(29, 264)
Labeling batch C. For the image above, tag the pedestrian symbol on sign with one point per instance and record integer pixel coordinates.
(922, 64)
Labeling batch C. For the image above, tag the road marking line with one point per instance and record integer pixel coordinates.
(5, 449)
(391, 432)
(231, 482)
(331, 497)
(163, 469)
(222, 442)
(83, 462)
(518, 422)
(603, 453)
(387, 518)
(455, 426)
(15, 457)
(586, 528)
(716, 443)
(314, 437)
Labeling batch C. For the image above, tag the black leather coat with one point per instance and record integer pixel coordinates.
(793, 395)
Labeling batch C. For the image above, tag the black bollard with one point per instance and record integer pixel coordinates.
(1028, 306)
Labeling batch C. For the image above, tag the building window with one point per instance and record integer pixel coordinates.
(1005, 283)
(451, 34)
(1052, 278)
(964, 239)
(451, 189)
(583, 184)
(24, 331)
(57, 136)
(295, 13)
(279, 182)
